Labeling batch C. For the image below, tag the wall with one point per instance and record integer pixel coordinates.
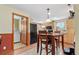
(76, 23)
(6, 45)
(6, 18)
(6, 26)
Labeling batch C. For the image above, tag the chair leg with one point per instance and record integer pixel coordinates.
(56, 43)
(41, 49)
(38, 44)
(47, 49)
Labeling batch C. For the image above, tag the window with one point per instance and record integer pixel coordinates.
(61, 25)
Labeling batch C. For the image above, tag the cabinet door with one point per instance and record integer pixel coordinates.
(69, 36)
(70, 24)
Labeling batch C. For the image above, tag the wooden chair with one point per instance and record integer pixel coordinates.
(44, 40)
(57, 39)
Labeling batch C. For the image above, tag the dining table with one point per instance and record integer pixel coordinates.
(54, 35)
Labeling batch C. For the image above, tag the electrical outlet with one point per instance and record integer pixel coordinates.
(4, 48)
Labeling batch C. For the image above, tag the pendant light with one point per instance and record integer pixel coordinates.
(48, 15)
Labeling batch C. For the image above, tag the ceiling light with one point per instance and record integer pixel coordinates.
(48, 20)
(43, 26)
(49, 13)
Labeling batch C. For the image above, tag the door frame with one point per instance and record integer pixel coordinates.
(13, 28)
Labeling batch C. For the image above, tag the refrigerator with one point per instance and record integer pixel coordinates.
(33, 33)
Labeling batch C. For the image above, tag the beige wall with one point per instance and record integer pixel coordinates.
(76, 22)
(6, 18)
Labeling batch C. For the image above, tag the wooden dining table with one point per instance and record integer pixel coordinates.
(54, 35)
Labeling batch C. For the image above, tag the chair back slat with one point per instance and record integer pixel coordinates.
(43, 32)
(57, 31)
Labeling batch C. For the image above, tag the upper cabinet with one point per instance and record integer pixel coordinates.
(70, 24)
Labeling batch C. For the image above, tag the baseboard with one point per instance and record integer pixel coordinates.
(16, 42)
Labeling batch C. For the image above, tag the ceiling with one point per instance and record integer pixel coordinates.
(38, 12)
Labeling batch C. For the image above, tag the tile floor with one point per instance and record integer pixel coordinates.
(19, 45)
(32, 50)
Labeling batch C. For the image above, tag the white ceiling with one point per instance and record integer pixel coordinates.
(38, 12)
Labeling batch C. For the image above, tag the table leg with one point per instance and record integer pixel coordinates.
(46, 48)
(63, 43)
(58, 42)
(53, 45)
(37, 44)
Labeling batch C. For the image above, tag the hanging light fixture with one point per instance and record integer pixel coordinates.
(48, 15)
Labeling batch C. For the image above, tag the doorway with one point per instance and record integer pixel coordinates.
(20, 26)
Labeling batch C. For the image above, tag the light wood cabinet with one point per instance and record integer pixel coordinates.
(69, 36)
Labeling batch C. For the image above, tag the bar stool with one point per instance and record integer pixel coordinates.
(44, 40)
